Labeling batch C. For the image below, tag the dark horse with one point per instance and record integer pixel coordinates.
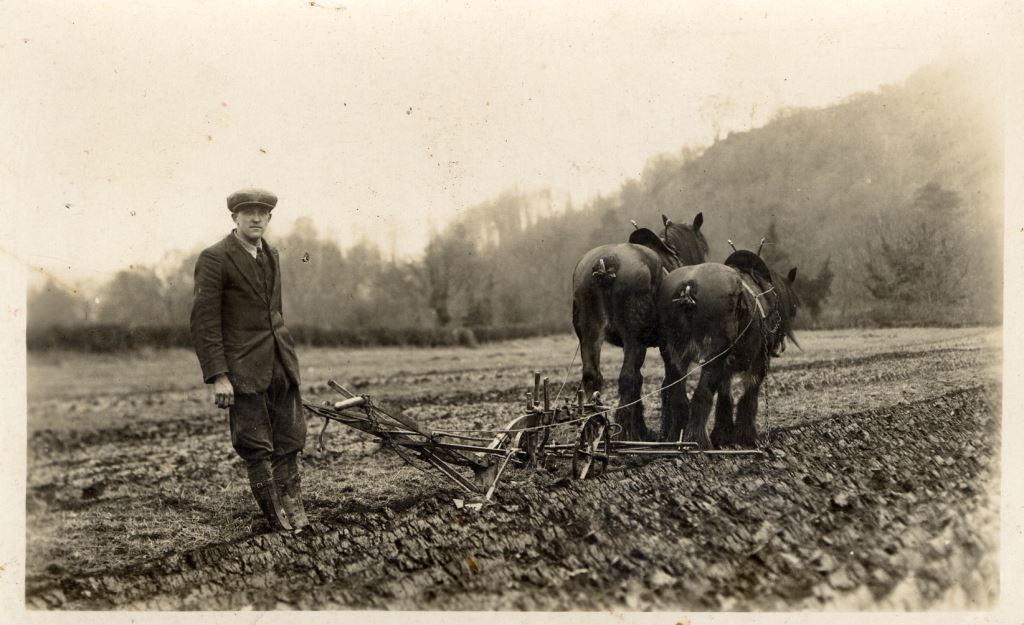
(732, 318)
(613, 291)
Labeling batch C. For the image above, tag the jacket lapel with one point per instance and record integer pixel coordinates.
(273, 255)
(244, 262)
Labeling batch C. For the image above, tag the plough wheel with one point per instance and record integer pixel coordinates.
(588, 460)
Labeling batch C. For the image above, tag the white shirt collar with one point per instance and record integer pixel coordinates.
(249, 247)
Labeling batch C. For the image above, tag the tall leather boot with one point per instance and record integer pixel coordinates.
(266, 495)
(291, 497)
(286, 473)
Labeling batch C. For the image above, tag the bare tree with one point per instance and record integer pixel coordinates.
(921, 257)
(53, 304)
(135, 297)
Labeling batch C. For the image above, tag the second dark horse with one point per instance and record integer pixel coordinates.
(733, 318)
(614, 288)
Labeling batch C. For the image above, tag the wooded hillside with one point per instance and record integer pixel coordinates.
(890, 204)
(903, 184)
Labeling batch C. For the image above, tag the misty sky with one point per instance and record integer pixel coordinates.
(128, 123)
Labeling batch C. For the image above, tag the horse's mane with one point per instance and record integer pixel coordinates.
(691, 247)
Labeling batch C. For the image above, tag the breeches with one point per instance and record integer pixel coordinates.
(268, 428)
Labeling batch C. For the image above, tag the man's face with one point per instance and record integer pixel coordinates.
(251, 221)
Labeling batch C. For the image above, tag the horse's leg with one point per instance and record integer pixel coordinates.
(700, 406)
(631, 382)
(675, 409)
(723, 432)
(590, 354)
(746, 409)
(589, 326)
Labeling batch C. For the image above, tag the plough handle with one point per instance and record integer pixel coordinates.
(341, 389)
(352, 402)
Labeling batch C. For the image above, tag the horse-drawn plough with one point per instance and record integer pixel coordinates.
(474, 460)
(699, 308)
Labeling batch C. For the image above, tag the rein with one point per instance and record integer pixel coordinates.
(757, 297)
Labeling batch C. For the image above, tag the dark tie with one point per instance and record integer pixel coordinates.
(266, 272)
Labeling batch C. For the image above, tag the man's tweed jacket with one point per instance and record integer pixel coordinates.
(235, 326)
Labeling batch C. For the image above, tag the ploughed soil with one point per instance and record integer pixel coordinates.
(879, 489)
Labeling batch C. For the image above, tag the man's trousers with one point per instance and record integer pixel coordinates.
(268, 429)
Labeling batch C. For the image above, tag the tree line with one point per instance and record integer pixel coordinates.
(889, 204)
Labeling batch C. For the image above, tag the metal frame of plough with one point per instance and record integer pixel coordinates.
(523, 442)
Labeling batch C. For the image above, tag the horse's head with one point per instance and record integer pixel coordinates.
(687, 240)
(788, 300)
(790, 279)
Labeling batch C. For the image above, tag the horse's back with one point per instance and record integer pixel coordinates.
(635, 267)
(714, 284)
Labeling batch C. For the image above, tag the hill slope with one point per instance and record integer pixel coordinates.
(833, 180)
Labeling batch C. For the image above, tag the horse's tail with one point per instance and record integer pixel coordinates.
(604, 270)
(791, 336)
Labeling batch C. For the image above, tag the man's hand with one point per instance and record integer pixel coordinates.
(223, 391)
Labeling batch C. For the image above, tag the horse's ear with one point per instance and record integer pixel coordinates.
(665, 220)
(698, 221)
(792, 275)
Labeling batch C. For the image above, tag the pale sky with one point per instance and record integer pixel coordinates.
(128, 122)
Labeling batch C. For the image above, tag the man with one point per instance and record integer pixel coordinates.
(248, 356)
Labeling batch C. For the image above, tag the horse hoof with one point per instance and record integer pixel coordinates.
(721, 440)
(746, 440)
(701, 438)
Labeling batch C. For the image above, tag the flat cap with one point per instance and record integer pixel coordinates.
(251, 197)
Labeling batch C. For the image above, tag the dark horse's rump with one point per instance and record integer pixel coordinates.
(732, 318)
(613, 300)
